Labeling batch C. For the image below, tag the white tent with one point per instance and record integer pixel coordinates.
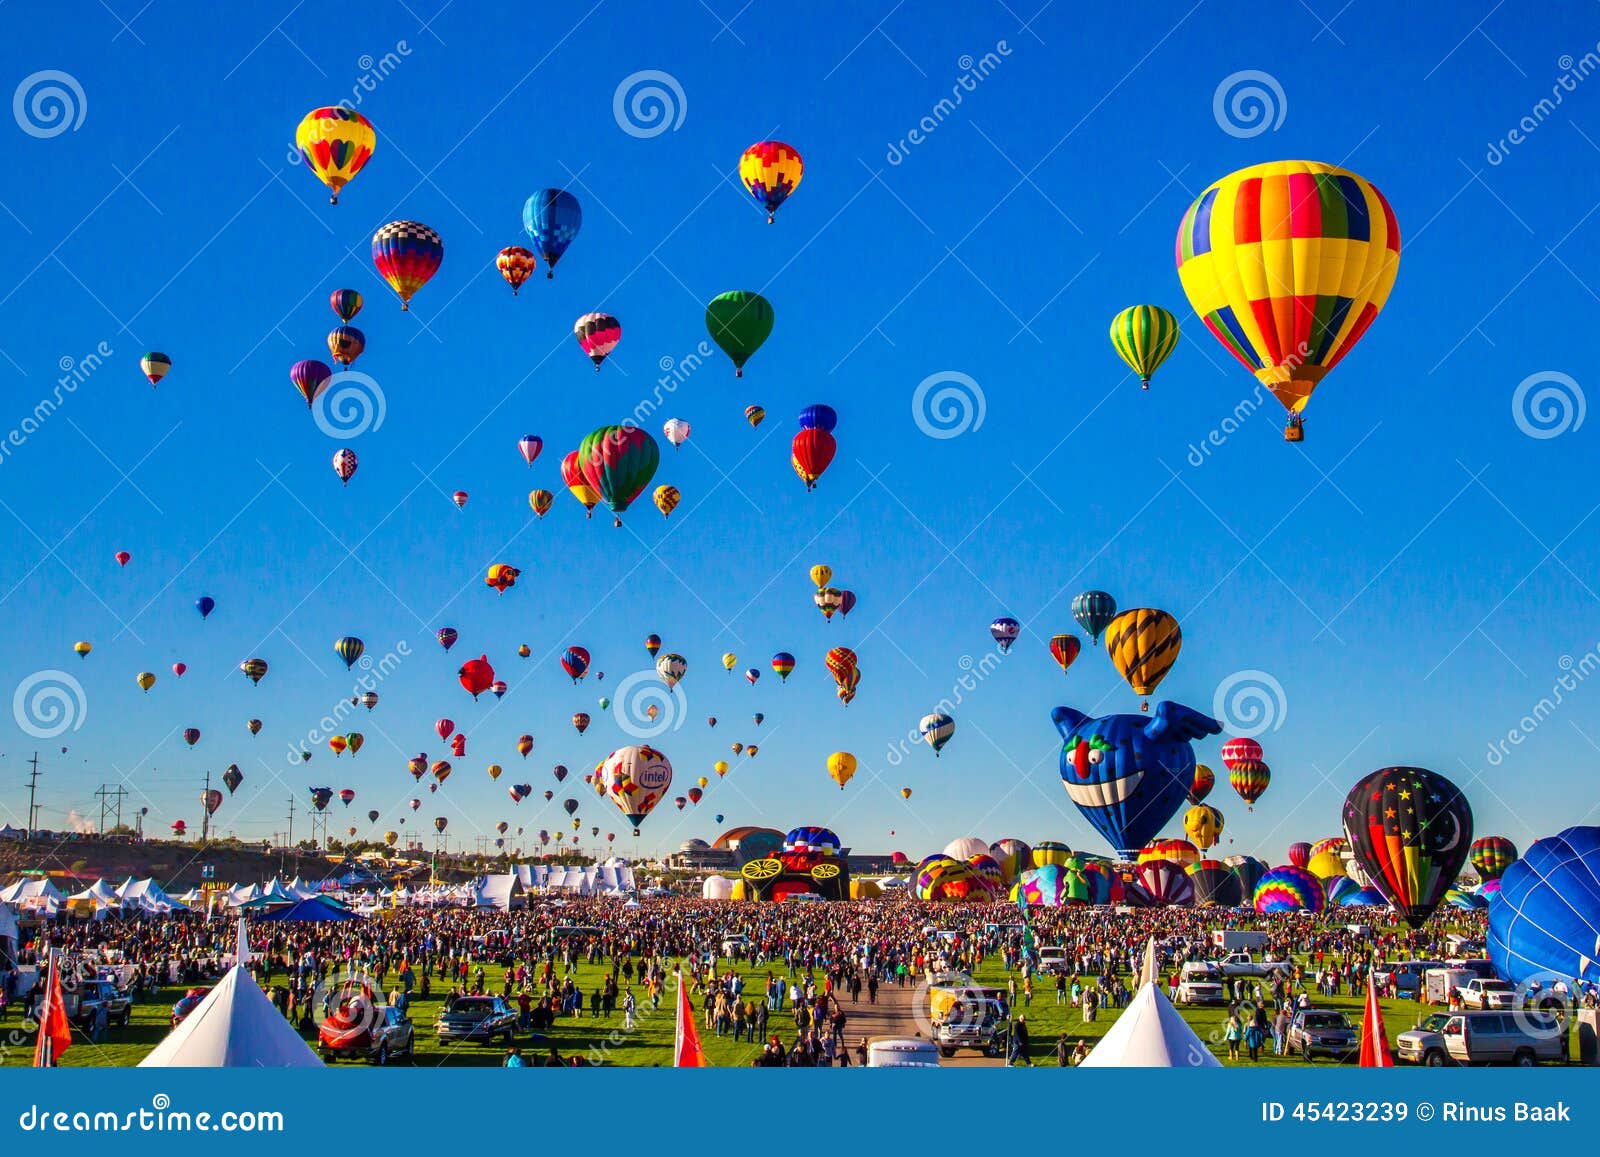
(8, 929)
(26, 889)
(235, 1026)
(716, 888)
(146, 896)
(1150, 1034)
(97, 898)
(499, 892)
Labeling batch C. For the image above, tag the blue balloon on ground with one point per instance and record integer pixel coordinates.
(1544, 922)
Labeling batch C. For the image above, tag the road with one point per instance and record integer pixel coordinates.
(896, 1015)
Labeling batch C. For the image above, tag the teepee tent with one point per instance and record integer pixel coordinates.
(236, 1026)
(1150, 1034)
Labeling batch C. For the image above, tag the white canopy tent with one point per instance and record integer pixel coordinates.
(146, 896)
(98, 898)
(500, 892)
(235, 1026)
(1150, 1034)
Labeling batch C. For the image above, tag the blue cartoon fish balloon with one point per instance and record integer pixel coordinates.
(1129, 774)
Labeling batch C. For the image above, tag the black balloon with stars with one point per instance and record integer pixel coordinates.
(1410, 830)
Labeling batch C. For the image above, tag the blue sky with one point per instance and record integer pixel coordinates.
(1415, 579)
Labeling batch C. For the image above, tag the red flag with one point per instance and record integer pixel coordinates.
(686, 1050)
(1374, 1040)
(55, 1033)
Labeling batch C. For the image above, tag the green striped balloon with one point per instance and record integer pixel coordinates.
(1144, 336)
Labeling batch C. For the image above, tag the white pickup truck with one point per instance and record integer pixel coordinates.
(1244, 964)
(1481, 993)
(1200, 983)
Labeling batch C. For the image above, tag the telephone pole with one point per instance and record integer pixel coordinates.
(205, 811)
(289, 839)
(110, 806)
(33, 782)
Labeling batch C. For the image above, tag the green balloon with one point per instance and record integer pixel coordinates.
(619, 462)
(739, 321)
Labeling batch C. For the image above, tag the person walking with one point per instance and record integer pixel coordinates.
(1019, 1043)
(1232, 1034)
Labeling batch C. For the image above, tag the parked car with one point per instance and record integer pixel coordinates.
(735, 945)
(1054, 959)
(1484, 1038)
(1244, 964)
(1322, 1031)
(1201, 983)
(477, 1018)
(1481, 993)
(355, 1028)
(91, 994)
(187, 1003)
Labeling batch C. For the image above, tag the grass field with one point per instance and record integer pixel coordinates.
(650, 1043)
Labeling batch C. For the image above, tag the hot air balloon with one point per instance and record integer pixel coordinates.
(516, 265)
(676, 431)
(191, 735)
(501, 577)
(783, 665)
(847, 602)
(123, 558)
(446, 637)
(82, 649)
(1241, 751)
(841, 766)
(752, 675)
(1094, 611)
(347, 796)
(155, 365)
(1204, 780)
(349, 648)
(618, 462)
(253, 726)
(1289, 889)
(335, 143)
(369, 699)
(1288, 263)
(179, 668)
(346, 303)
(415, 804)
(407, 254)
(635, 779)
(499, 688)
(1005, 631)
(310, 377)
(680, 802)
(1545, 919)
(670, 668)
(720, 767)
(580, 720)
(753, 415)
(841, 662)
(739, 321)
(695, 795)
(391, 838)
(524, 745)
(770, 170)
(1410, 830)
(336, 744)
(440, 769)
(1491, 856)
(321, 797)
(254, 669)
(1202, 823)
(232, 778)
(1143, 644)
(417, 765)
(575, 662)
(540, 500)
(211, 800)
(1300, 853)
(821, 575)
(345, 344)
(905, 793)
(460, 499)
(758, 717)
(559, 771)
(1249, 778)
(810, 454)
(597, 334)
(667, 499)
(552, 218)
(440, 823)
(936, 730)
(1064, 649)
(827, 601)
(344, 464)
(1144, 336)
(476, 675)
(146, 680)
(494, 771)
(372, 816)
(569, 806)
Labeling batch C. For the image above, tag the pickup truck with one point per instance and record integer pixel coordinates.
(1481, 993)
(1244, 964)
(1053, 959)
(980, 1023)
(1200, 983)
(90, 994)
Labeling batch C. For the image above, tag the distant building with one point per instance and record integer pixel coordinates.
(699, 856)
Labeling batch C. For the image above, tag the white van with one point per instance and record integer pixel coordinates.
(902, 1053)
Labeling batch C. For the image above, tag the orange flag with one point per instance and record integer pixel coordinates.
(55, 1033)
(1374, 1040)
(686, 1050)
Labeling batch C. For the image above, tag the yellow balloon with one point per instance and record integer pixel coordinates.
(1144, 644)
(82, 649)
(821, 574)
(494, 771)
(720, 767)
(1203, 825)
(730, 660)
(841, 766)
(702, 781)
(905, 793)
(335, 143)
(146, 680)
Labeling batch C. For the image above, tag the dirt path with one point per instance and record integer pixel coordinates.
(896, 1014)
